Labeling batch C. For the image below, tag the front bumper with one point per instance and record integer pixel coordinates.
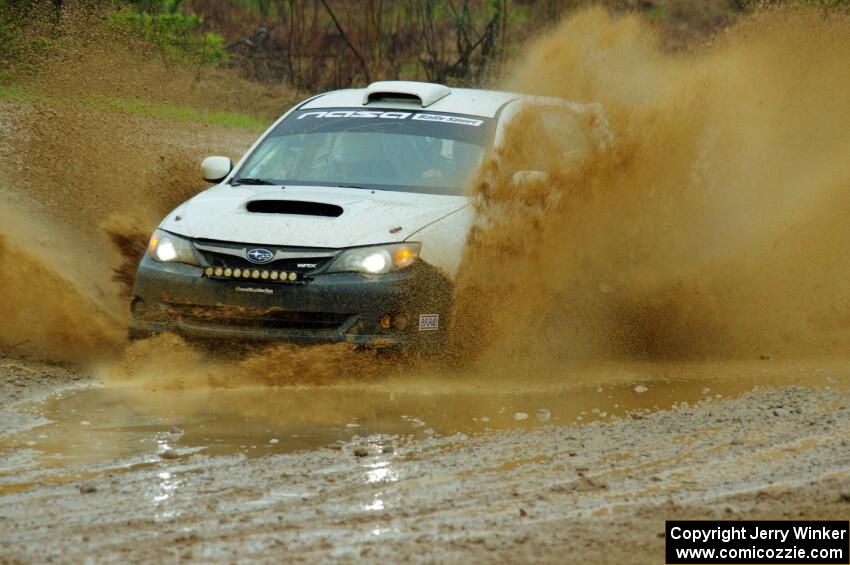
(324, 308)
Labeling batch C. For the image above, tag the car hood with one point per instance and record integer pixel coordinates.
(368, 217)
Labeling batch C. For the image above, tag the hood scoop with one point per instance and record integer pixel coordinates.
(299, 207)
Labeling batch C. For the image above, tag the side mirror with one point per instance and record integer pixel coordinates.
(215, 169)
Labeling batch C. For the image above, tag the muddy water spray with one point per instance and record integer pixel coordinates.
(712, 225)
(715, 224)
(83, 182)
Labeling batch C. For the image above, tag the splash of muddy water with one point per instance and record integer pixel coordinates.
(83, 182)
(713, 225)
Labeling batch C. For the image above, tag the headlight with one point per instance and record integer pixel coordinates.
(168, 248)
(376, 259)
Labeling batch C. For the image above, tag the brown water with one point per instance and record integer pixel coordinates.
(131, 425)
(705, 217)
(114, 429)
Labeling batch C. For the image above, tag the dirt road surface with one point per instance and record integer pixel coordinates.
(529, 490)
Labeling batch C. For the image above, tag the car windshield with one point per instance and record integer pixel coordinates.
(408, 151)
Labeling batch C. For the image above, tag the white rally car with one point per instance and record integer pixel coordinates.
(345, 221)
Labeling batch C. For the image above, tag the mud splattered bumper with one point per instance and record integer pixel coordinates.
(325, 308)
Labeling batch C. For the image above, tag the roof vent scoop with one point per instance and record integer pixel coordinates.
(425, 93)
(298, 207)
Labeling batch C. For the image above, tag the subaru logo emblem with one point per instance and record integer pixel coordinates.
(259, 255)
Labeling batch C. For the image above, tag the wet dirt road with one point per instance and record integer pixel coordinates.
(389, 473)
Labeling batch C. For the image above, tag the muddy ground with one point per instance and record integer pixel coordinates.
(597, 492)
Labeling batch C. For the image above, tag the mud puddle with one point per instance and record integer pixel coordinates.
(113, 428)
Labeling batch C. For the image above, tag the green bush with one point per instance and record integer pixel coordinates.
(178, 35)
(10, 40)
(11, 36)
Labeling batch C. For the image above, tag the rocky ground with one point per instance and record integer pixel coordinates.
(598, 492)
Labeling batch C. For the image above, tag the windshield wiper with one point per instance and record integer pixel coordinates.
(252, 181)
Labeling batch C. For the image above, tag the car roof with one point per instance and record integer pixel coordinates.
(415, 95)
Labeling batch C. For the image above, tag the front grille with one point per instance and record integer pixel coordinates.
(233, 256)
(288, 265)
(272, 318)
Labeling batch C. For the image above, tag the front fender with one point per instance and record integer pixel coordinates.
(444, 240)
